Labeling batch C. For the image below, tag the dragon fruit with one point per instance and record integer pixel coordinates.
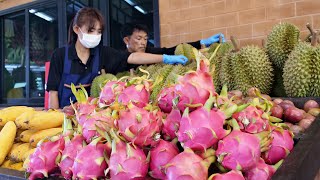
(262, 171)
(160, 156)
(83, 107)
(101, 119)
(138, 93)
(195, 87)
(231, 175)
(171, 124)
(109, 92)
(201, 128)
(127, 161)
(192, 90)
(46, 158)
(188, 165)
(90, 162)
(240, 150)
(165, 99)
(250, 120)
(281, 145)
(69, 153)
(139, 125)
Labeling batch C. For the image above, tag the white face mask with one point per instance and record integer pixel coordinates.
(90, 40)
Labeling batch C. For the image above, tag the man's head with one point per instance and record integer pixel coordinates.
(135, 36)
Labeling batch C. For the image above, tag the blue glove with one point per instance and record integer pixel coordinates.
(174, 59)
(213, 39)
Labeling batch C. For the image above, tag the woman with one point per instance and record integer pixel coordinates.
(82, 59)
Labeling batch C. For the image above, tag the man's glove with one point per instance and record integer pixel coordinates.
(174, 59)
(213, 39)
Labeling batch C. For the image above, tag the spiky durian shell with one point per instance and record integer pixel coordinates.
(121, 74)
(280, 42)
(159, 78)
(315, 74)
(137, 72)
(98, 82)
(190, 67)
(225, 73)
(173, 75)
(297, 71)
(215, 63)
(186, 50)
(253, 68)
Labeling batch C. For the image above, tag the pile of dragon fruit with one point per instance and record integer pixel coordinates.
(191, 132)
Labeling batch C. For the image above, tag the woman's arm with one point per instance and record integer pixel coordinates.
(53, 100)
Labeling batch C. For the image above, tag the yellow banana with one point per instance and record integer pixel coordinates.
(46, 120)
(22, 120)
(18, 153)
(38, 136)
(11, 113)
(7, 136)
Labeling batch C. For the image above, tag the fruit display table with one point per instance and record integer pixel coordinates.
(8, 174)
(302, 163)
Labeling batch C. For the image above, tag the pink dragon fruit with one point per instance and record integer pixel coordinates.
(201, 128)
(89, 130)
(250, 120)
(109, 92)
(90, 162)
(281, 146)
(262, 171)
(136, 94)
(139, 125)
(188, 165)
(101, 119)
(160, 156)
(240, 150)
(171, 124)
(127, 161)
(46, 158)
(192, 90)
(69, 153)
(195, 87)
(231, 175)
(165, 99)
(84, 106)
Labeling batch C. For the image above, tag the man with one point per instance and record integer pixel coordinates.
(135, 36)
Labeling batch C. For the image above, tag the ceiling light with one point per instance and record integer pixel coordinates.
(41, 15)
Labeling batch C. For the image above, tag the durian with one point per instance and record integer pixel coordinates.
(186, 50)
(122, 74)
(159, 77)
(253, 69)
(173, 75)
(99, 81)
(296, 71)
(246, 68)
(215, 62)
(280, 42)
(301, 73)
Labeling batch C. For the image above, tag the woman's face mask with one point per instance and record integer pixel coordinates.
(90, 40)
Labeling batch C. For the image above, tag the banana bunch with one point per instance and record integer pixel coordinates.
(21, 128)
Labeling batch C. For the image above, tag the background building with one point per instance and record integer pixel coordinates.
(31, 29)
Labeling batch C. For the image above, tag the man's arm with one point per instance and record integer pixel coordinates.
(146, 58)
(170, 51)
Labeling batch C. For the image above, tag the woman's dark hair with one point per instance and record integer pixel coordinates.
(85, 16)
